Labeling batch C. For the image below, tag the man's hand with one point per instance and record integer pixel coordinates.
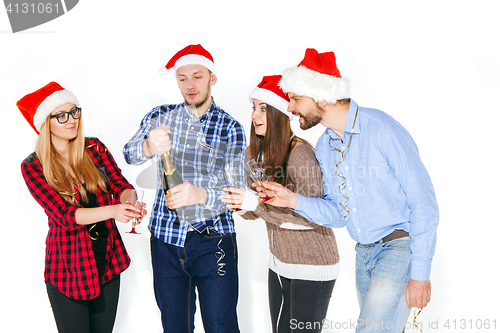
(159, 141)
(418, 293)
(185, 194)
(281, 196)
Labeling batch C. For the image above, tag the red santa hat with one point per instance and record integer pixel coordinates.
(190, 55)
(317, 77)
(36, 107)
(270, 93)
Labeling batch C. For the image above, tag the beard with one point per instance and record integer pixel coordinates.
(312, 119)
(202, 101)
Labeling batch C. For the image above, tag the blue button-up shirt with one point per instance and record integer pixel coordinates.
(201, 149)
(386, 186)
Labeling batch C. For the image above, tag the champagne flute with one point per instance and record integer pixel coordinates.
(136, 198)
(231, 175)
(257, 174)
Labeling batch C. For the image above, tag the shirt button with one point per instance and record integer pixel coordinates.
(354, 210)
(346, 168)
(187, 145)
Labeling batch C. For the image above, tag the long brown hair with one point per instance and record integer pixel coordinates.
(276, 144)
(63, 175)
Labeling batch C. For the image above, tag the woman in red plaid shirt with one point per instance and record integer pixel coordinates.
(77, 182)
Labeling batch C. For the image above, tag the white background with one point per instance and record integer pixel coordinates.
(433, 65)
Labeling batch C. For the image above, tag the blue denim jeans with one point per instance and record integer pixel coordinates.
(382, 274)
(178, 271)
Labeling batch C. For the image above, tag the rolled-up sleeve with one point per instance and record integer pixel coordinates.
(133, 151)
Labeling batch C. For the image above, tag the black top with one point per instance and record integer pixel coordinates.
(98, 236)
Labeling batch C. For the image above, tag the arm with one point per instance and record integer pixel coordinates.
(402, 156)
(322, 211)
(305, 175)
(269, 213)
(59, 210)
(56, 208)
(119, 186)
(401, 153)
(136, 150)
(235, 157)
(121, 213)
(210, 196)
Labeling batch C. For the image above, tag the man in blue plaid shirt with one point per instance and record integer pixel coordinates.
(194, 248)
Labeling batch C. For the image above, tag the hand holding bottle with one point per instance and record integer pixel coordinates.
(185, 194)
(159, 140)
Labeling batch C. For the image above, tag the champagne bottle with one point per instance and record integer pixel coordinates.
(171, 177)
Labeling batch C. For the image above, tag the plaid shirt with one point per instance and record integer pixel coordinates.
(69, 259)
(201, 148)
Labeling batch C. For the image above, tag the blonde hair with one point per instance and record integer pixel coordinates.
(63, 175)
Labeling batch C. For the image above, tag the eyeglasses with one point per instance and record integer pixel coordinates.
(63, 117)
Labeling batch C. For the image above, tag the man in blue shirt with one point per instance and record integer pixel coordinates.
(195, 247)
(375, 184)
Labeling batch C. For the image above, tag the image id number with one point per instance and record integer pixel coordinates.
(478, 324)
(25, 8)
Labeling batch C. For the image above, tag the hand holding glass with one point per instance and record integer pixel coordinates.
(257, 174)
(136, 198)
(231, 175)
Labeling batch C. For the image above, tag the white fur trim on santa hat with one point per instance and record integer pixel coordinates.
(320, 87)
(53, 101)
(272, 99)
(194, 59)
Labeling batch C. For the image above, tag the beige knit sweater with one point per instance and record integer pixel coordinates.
(316, 246)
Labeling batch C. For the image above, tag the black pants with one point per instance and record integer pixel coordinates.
(304, 307)
(88, 316)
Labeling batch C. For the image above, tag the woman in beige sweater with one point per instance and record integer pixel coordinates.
(303, 265)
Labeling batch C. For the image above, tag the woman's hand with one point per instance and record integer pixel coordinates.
(126, 211)
(125, 198)
(143, 212)
(233, 198)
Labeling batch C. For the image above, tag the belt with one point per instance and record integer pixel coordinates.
(396, 234)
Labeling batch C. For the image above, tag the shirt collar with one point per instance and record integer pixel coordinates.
(205, 116)
(351, 115)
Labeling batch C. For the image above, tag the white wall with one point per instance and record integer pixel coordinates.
(433, 65)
